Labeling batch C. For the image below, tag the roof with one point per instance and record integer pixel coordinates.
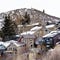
(2, 47)
(11, 41)
(19, 44)
(51, 34)
(1, 42)
(28, 36)
(28, 32)
(36, 28)
(34, 24)
(16, 43)
(50, 26)
(6, 44)
(17, 35)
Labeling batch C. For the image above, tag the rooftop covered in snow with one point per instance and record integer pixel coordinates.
(50, 26)
(8, 43)
(34, 24)
(51, 34)
(36, 28)
(28, 32)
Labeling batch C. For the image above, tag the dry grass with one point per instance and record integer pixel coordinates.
(53, 54)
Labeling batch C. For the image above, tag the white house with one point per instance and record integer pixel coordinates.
(15, 47)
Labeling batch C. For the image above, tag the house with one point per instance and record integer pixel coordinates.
(16, 48)
(47, 29)
(40, 30)
(28, 39)
(27, 27)
(43, 30)
(37, 30)
(13, 47)
(51, 39)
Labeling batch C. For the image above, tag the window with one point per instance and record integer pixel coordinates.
(14, 49)
(50, 39)
(31, 45)
(48, 42)
(47, 46)
(10, 48)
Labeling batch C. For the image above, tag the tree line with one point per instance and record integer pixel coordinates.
(10, 28)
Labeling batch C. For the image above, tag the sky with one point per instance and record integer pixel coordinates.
(50, 6)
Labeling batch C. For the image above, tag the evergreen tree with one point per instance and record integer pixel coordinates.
(26, 19)
(1, 34)
(8, 29)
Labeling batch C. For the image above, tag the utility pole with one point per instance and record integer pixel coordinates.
(43, 23)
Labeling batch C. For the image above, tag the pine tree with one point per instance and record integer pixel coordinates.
(8, 29)
(1, 34)
(26, 19)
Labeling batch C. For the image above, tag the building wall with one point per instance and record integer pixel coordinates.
(17, 49)
(29, 42)
(11, 47)
(21, 49)
(56, 38)
(44, 32)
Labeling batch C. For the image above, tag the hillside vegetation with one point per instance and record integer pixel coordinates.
(35, 15)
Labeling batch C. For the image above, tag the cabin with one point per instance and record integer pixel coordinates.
(51, 39)
(43, 30)
(16, 48)
(28, 40)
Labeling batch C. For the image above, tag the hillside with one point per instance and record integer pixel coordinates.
(35, 15)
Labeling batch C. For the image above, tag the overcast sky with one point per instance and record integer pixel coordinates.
(51, 7)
